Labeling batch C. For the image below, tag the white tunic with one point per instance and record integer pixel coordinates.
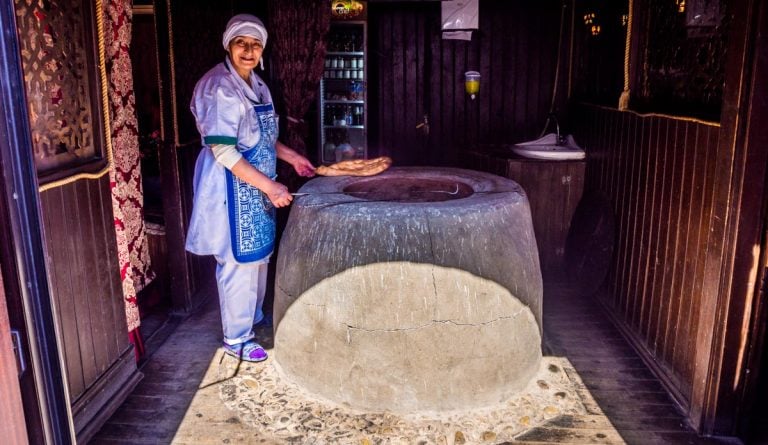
(221, 103)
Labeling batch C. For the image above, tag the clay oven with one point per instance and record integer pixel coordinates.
(417, 289)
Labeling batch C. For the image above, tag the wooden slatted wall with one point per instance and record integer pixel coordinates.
(85, 280)
(659, 174)
(415, 72)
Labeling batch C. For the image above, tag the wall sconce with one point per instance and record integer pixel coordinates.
(591, 23)
(472, 83)
(680, 5)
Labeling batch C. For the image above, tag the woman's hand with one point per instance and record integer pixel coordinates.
(299, 163)
(303, 167)
(278, 194)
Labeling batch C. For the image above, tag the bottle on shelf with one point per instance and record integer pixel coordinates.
(349, 43)
(348, 116)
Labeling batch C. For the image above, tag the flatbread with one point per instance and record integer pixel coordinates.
(356, 167)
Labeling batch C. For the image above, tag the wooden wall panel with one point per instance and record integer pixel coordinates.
(400, 56)
(415, 72)
(87, 292)
(85, 280)
(659, 174)
(59, 249)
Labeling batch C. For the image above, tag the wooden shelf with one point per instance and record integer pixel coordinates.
(344, 53)
(343, 101)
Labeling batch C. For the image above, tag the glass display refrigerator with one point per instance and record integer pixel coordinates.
(343, 95)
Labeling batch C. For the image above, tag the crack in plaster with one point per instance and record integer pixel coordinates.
(485, 323)
(432, 252)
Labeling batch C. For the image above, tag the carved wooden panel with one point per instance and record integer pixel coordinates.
(58, 59)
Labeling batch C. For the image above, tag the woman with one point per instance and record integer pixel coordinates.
(233, 215)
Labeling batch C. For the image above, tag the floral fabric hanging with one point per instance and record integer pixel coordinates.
(125, 174)
(298, 30)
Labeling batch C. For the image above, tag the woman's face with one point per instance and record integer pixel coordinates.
(245, 52)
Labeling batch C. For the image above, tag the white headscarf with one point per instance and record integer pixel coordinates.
(245, 25)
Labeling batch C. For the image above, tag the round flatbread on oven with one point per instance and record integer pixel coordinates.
(356, 167)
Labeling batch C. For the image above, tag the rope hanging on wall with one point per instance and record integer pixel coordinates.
(624, 98)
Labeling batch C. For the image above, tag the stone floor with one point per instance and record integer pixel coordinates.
(193, 394)
(281, 412)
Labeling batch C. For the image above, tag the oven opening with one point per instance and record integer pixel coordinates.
(409, 189)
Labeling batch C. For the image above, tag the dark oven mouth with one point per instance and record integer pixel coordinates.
(396, 189)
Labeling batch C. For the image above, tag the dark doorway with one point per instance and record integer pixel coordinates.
(154, 300)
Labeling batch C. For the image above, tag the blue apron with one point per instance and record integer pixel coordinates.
(251, 213)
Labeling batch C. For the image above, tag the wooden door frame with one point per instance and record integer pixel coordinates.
(755, 314)
(22, 217)
(724, 352)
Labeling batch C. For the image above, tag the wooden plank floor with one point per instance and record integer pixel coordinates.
(622, 396)
(623, 389)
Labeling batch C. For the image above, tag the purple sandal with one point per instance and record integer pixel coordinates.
(250, 351)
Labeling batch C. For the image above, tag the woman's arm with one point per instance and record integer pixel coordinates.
(299, 163)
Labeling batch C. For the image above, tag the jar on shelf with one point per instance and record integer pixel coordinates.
(344, 152)
(329, 151)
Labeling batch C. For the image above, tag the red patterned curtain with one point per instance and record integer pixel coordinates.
(125, 174)
(297, 34)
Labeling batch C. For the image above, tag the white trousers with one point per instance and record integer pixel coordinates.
(241, 296)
